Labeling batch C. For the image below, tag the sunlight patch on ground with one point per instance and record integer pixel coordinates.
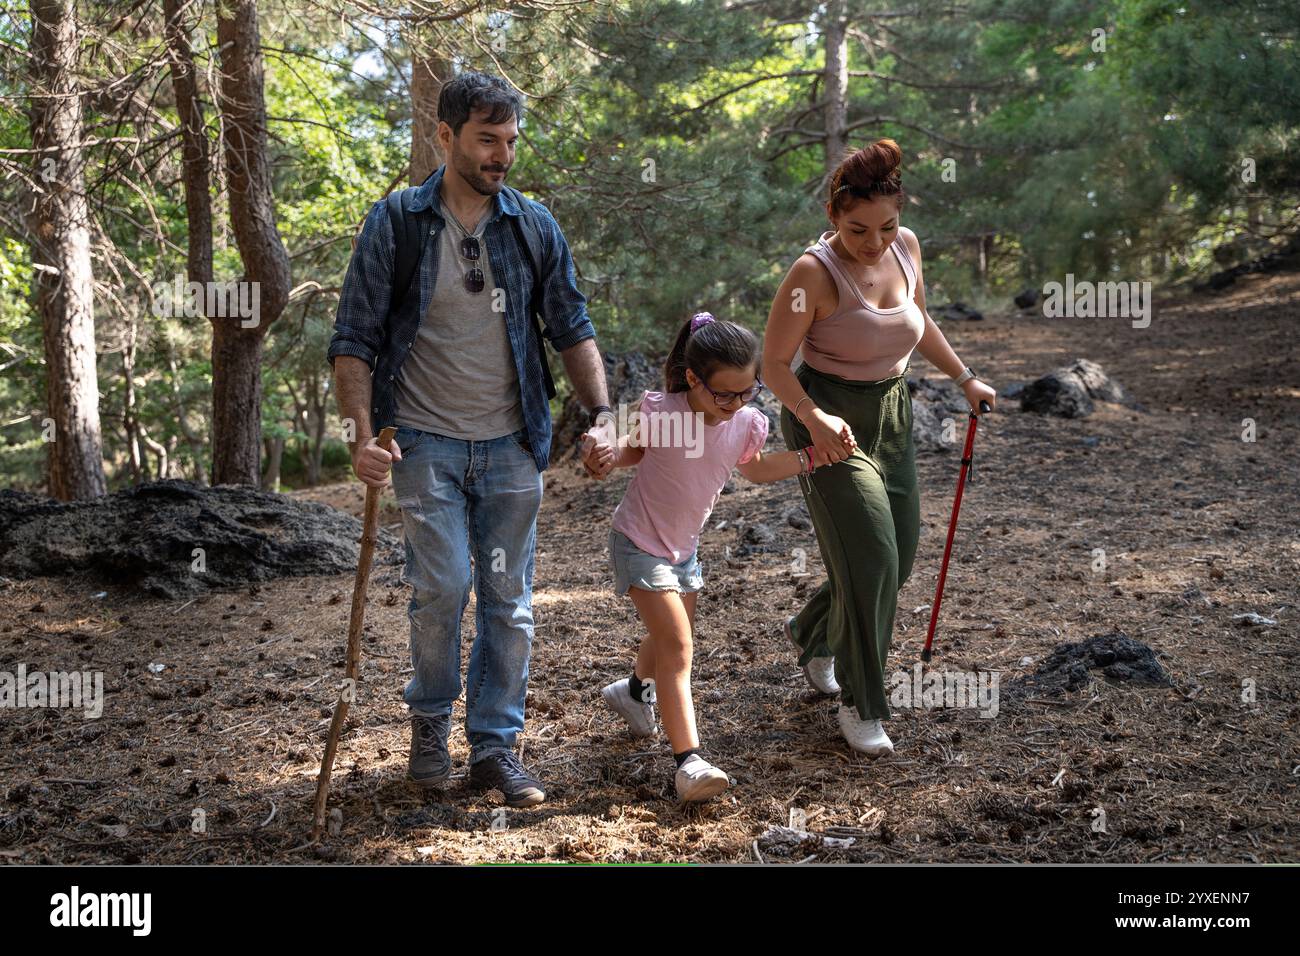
(571, 595)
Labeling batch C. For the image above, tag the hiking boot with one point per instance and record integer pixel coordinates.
(639, 714)
(865, 736)
(503, 771)
(697, 779)
(430, 764)
(820, 671)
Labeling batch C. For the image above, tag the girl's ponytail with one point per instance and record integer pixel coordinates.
(675, 366)
(704, 344)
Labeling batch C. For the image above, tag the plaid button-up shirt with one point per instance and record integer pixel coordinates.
(364, 328)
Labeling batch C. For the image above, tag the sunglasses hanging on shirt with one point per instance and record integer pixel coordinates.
(469, 249)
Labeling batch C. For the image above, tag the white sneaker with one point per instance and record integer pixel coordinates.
(820, 671)
(697, 779)
(639, 714)
(864, 736)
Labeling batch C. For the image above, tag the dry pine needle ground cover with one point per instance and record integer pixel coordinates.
(1196, 525)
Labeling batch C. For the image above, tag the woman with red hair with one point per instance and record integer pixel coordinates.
(854, 302)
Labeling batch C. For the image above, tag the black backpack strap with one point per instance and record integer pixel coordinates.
(529, 239)
(410, 233)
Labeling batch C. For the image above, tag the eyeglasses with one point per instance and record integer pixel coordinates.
(469, 249)
(726, 398)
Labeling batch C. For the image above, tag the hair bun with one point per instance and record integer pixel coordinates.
(870, 171)
(882, 158)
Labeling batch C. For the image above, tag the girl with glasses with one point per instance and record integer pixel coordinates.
(684, 443)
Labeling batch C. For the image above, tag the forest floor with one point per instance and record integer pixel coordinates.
(1197, 526)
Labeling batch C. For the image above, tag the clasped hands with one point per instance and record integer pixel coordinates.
(832, 441)
(600, 448)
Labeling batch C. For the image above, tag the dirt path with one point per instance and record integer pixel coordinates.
(1196, 526)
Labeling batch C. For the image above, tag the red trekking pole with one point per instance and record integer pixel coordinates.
(967, 462)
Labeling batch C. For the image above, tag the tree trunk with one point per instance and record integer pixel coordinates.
(236, 404)
(130, 422)
(237, 350)
(59, 225)
(836, 79)
(164, 466)
(299, 426)
(274, 455)
(981, 246)
(428, 73)
(195, 165)
(320, 420)
(196, 171)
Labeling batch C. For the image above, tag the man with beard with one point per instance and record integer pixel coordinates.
(455, 363)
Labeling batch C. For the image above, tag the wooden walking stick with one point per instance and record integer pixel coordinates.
(368, 535)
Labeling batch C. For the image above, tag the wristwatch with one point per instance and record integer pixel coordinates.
(967, 374)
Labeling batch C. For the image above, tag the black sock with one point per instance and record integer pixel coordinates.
(635, 686)
(681, 757)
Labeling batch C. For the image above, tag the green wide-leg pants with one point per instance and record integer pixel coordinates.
(867, 514)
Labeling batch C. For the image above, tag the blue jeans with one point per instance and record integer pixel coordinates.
(461, 499)
(635, 568)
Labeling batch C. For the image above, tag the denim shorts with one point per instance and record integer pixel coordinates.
(635, 568)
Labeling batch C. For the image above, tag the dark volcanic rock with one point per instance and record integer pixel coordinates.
(1279, 260)
(958, 311)
(145, 537)
(1027, 299)
(1070, 391)
(934, 400)
(1119, 658)
(770, 406)
(797, 517)
(1057, 393)
(628, 375)
(755, 538)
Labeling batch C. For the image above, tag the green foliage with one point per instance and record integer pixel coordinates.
(678, 144)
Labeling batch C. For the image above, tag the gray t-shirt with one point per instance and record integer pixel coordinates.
(459, 378)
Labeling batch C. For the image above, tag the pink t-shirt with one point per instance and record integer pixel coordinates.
(680, 477)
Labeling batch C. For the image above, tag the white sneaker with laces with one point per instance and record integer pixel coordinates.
(820, 671)
(697, 779)
(639, 714)
(865, 736)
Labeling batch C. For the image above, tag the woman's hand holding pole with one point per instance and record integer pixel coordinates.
(978, 392)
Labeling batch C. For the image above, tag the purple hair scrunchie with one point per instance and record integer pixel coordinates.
(699, 319)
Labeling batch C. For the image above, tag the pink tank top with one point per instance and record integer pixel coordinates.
(856, 341)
